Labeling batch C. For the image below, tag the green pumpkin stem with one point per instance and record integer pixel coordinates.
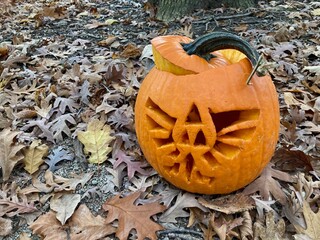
(204, 45)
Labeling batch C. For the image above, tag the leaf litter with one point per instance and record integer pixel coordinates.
(69, 75)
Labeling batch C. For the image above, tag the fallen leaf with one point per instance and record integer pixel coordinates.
(49, 227)
(271, 230)
(5, 226)
(96, 141)
(132, 165)
(57, 155)
(10, 152)
(183, 201)
(131, 51)
(267, 185)
(24, 236)
(229, 204)
(96, 24)
(33, 156)
(291, 160)
(312, 69)
(64, 205)
(312, 220)
(316, 12)
(246, 230)
(85, 226)
(224, 225)
(12, 203)
(131, 216)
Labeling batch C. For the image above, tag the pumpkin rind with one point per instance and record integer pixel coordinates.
(208, 132)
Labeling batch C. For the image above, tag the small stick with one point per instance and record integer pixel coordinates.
(254, 70)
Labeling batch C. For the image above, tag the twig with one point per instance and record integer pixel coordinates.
(254, 70)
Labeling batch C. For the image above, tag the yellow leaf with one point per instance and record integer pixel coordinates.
(33, 156)
(96, 141)
(312, 220)
(316, 12)
(110, 21)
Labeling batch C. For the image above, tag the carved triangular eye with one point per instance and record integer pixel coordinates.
(194, 115)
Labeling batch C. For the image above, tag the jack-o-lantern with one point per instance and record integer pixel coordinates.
(198, 122)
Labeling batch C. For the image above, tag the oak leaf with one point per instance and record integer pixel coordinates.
(272, 230)
(96, 141)
(33, 156)
(49, 227)
(65, 205)
(224, 225)
(81, 226)
(229, 204)
(85, 226)
(267, 185)
(5, 226)
(133, 166)
(131, 216)
(57, 155)
(183, 201)
(10, 152)
(12, 203)
(312, 220)
(60, 126)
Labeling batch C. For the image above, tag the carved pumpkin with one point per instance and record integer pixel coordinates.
(197, 121)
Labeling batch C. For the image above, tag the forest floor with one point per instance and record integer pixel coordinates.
(71, 70)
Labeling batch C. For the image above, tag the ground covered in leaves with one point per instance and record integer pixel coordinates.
(71, 166)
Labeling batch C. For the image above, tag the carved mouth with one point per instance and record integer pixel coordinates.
(192, 148)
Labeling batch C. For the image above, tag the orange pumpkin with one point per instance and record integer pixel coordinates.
(197, 121)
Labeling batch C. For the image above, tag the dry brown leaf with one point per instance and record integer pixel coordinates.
(291, 160)
(131, 216)
(81, 226)
(57, 184)
(266, 184)
(64, 205)
(246, 231)
(85, 226)
(312, 220)
(54, 12)
(24, 236)
(131, 51)
(229, 204)
(12, 203)
(5, 226)
(10, 152)
(33, 156)
(208, 232)
(48, 227)
(184, 201)
(224, 225)
(70, 184)
(271, 230)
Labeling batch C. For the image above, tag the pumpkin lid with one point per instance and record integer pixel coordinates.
(170, 56)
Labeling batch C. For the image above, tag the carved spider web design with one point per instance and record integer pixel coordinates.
(195, 151)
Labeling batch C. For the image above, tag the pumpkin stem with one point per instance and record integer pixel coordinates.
(204, 45)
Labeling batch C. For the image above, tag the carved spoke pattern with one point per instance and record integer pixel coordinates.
(191, 154)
